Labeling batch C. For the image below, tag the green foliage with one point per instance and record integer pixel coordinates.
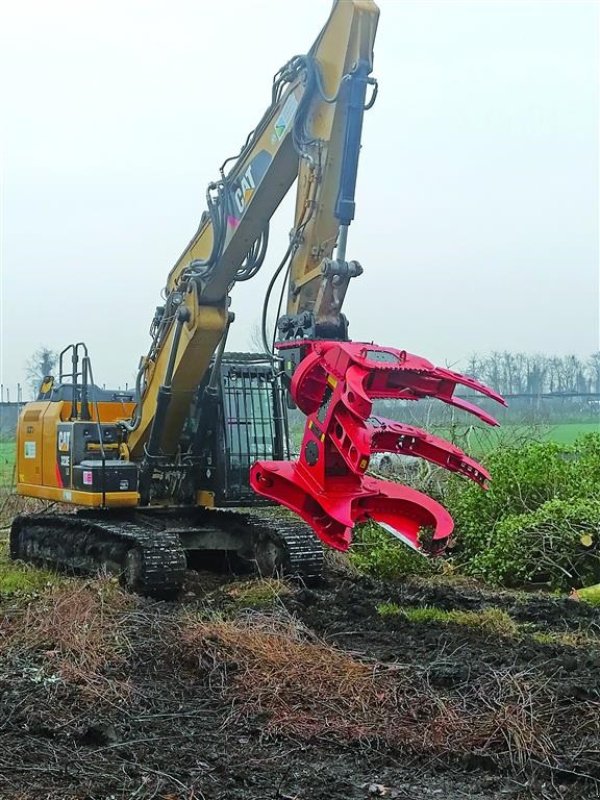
(377, 553)
(490, 620)
(590, 594)
(389, 610)
(584, 474)
(556, 544)
(534, 522)
(532, 525)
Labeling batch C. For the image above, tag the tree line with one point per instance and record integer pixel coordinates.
(506, 372)
(520, 373)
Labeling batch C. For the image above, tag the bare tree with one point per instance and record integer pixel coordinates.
(594, 371)
(255, 339)
(518, 373)
(537, 374)
(492, 371)
(39, 366)
(475, 366)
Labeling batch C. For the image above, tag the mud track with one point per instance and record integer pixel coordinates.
(150, 718)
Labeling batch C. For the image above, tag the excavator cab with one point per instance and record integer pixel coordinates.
(249, 423)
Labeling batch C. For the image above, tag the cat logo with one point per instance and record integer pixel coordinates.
(245, 190)
(64, 441)
(244, 186)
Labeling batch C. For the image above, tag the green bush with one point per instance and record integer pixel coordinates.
(584, 475)
(522, 479)
(539, 522)
(529, 525)
(557, 544)
(376, 552)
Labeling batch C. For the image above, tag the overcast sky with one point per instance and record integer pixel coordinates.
(477, 199)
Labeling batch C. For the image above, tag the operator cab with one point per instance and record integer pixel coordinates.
(249, 424)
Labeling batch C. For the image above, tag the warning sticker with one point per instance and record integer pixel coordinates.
(287, 113)
(30, 450)
(88, 477)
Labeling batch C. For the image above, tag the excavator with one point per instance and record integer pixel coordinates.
(184, 471)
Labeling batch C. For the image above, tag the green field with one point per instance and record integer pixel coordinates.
(479, 439)
(567, 433)
(7, 463)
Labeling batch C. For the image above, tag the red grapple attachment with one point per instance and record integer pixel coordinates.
(335, 385)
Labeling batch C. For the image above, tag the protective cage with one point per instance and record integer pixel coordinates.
(251, 425)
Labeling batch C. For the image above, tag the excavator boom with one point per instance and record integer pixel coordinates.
(311, 130)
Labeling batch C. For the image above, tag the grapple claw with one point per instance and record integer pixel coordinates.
(335, 384)
(388, 436)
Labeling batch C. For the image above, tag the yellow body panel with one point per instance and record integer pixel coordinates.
(37, 468)
(76, 497)
(30, 449)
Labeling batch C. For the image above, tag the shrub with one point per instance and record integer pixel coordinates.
(376, 552)
(538, 522)
(557, 544)
(522, 480)
(541, 499)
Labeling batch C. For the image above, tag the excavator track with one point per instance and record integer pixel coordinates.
(151, 563)
(149, 552)
(288, 546)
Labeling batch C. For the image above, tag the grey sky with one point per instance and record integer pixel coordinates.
(477, 201)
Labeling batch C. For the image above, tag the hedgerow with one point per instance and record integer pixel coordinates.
(540, 519)
(557, 544)
(539, 522)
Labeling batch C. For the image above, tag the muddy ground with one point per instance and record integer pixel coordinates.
(140, 699)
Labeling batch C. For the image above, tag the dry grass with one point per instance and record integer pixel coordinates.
(302, 687)
(12, 504)
(282, 676)
(257, 593)
(340, 563)
(77, 631)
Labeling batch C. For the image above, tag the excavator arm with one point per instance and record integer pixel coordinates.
(311, 130)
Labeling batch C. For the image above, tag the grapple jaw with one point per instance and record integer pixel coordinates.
(335, 384)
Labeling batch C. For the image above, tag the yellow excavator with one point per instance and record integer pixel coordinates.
(178, 472)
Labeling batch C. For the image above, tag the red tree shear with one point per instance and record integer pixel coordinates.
(335, 385)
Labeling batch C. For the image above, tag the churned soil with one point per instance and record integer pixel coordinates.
(267, 691)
